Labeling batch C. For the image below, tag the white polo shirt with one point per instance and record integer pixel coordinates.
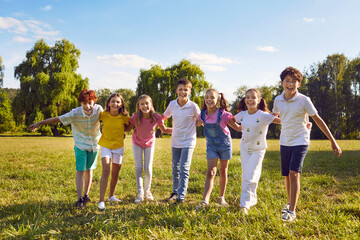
(184, 123)
(293, 118)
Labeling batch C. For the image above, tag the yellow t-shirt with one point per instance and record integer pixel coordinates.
(113, 130)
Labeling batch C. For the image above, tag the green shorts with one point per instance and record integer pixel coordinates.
(85, 160)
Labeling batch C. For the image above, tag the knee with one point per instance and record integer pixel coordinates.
(106, 171)
(211, 173)
(294, 175)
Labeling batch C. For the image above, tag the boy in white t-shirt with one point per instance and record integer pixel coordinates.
(293, 108)
(183, 140)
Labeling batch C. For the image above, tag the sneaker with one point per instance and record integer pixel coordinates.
(101, 205)
(178, 202)
(289, 216)
(79, 204)
(172, 197)
(244, 210)
(285, 208)
(222, 202)
(149, 196)
(113, 199)
(86, 199)
(139, 198)
(202, 205)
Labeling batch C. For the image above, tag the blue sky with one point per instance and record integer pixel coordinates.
(235, 42)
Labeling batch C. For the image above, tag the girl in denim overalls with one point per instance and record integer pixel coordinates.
(215, 116)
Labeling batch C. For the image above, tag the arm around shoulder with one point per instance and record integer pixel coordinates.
(324, 128)
(232, 123)
(53, 120)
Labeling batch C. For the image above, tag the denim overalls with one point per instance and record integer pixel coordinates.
(218, 143)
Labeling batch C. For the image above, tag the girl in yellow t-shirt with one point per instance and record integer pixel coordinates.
(114, 119)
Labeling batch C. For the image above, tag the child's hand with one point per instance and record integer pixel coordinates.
(336, 149)
(34, 126)
(309, 125)
(199, 123)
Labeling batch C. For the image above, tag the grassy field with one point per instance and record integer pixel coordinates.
(37, 196)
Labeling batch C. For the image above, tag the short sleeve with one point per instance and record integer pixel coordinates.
(268, 118)
(237, 117)
(226, 117)
(309, 107)
(67, 118)
(196, 110)
(133, 119)
(101, 116)
(275, 108)
(167, 112)
(126, 119)
(159, 119)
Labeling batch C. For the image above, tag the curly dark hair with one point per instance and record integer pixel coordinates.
(293, 72)
(87, 95)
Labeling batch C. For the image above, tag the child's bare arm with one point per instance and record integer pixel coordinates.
(232, 123)
(324, 128)
(128, 127)
(199, 123)
(165, 129)
(53, 120)
(276, 120)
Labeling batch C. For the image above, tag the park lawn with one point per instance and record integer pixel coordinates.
(37, 196)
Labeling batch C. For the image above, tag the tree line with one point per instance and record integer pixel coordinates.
(49, 86)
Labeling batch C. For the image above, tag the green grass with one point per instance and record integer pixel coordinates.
(37, 196)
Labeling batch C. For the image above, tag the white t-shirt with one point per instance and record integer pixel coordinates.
(254, 129)
(293, 119)
(184, 123)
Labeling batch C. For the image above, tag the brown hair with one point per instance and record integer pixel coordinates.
(139, 113)
(293, 72)
(221, 102)
(87, 95)
(122, 109)
(262, 105)
(185, 82)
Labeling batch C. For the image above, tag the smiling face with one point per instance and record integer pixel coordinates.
(145, 105)
(290, 85)
(183, 92)
(115, 104)
(252, 101)
(87, 107)
(211, 99)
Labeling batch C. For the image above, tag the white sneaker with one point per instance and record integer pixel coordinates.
(113, 199)
(289, 216)
(101, 205)
(285, 208)
(244, 210)
(149, 196)
(139, 198)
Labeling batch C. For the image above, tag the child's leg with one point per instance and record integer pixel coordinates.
(148, 161)
(79, 182)
(294, 178)
(104, 177)
(88, 180)
(210, 176)
(176, 155)
(223, 168)
(185, 162)
(115, 169)
(138, 159)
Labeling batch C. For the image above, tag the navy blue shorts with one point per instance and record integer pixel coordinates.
(292, 158)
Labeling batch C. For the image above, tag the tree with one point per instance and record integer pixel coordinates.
(104, 94)
(6, 116)
(160, 84)
(2, 68)
(49, 85)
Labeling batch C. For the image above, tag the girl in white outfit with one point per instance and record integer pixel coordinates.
(255, 119)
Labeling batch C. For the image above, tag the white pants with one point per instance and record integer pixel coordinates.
(251, 164)
(140, 154)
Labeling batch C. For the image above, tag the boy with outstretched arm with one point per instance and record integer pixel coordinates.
(85, 128)
(293, 108)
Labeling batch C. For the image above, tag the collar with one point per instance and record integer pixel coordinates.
(84, 114)
(291, 99)
(176, 100)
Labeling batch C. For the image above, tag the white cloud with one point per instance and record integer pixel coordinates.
(47, 8)
(267, 49)
(22, 39)
(124, 76)
(213, 68)
(36, 28)
(308, 20)
(208, 58)
(129, 61)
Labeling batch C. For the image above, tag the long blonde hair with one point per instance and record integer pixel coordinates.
(122, 109)
(139, 113)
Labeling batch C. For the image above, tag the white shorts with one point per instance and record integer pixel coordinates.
(116, 155)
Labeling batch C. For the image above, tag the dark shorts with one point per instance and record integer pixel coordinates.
(292, 158)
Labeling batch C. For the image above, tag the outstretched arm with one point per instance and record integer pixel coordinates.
(128, 127)
(232, 123)
(323, 127)
(53, 120)
(165, 129)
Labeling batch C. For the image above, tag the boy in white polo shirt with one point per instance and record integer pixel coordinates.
(293, 108)
(183, 139)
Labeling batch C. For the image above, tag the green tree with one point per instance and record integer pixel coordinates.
(160, 84)
(49, 85)
(2, 68)
(6, 116)
(104, 94)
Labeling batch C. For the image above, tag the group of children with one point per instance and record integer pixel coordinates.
(252, 119)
